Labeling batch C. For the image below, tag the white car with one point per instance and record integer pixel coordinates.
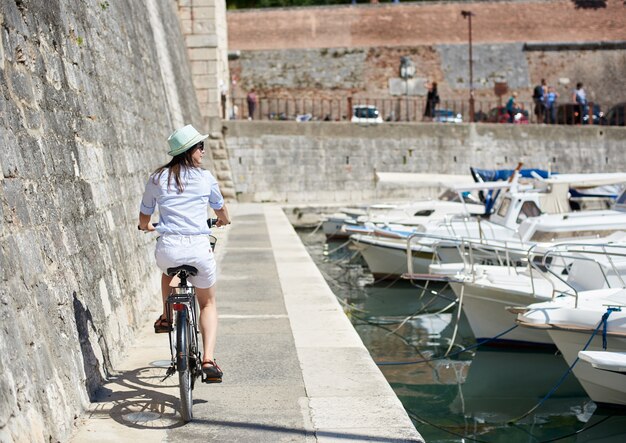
(447, 116)
(365, 114)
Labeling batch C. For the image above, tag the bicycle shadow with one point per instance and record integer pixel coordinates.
(141, 399)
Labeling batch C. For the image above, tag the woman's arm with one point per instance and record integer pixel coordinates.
(222, 216)
(144, 222)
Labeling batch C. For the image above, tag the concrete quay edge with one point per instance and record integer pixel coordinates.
(345, 388)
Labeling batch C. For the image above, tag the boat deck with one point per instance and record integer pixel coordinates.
(294, 367)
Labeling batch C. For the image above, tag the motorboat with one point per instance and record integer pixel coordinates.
(590, 321)
(570, 328)
(523, 217)
(485, 291)
(411, 215)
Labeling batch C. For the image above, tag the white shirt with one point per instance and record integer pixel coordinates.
(183, 213)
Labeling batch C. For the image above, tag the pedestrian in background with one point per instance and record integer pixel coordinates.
(432, 100)
(252, 100)
(539, 96)
(511, 106)
(551, 98)
(580, 97)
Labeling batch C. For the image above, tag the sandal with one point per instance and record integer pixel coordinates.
(162, 325)
(211, 372)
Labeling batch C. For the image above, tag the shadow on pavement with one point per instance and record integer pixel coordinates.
(137, 399)
(141, 399)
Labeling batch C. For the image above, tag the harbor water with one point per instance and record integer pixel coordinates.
(454, 390)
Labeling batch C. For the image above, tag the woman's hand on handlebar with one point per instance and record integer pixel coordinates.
(221, 222)
(222, 217)
(147, 228)
(217, 222)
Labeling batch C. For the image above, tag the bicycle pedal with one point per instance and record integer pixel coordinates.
(211, 380)
(170, 371)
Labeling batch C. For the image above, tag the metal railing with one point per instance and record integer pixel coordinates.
(412, 109)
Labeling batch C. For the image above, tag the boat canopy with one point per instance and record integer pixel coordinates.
(492, 175)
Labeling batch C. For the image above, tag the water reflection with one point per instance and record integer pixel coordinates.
(457, 395)
(503, 385)
(604, 426)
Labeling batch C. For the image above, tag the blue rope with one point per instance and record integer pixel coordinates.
(426, 360)
(605, 316)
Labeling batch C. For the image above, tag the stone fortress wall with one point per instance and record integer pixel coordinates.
(89, 92)
(322, 162)
(331, 52)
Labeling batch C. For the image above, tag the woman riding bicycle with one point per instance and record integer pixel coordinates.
(183, 191)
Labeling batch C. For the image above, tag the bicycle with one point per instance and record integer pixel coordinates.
(186, 356)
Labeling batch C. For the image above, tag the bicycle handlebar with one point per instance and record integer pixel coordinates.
(211, 222)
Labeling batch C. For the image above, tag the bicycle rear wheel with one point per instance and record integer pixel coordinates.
(183, 334)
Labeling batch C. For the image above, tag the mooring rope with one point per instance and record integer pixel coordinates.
(478, 343)
(603, 322)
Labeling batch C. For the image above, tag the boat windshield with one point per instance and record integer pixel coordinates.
(450, 195)
(504, 207)
(529, 209)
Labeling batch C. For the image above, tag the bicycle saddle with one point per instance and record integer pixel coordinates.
(189, 269)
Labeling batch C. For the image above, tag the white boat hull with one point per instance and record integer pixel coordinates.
(333, 227)
(602, 386)
(485, 309)
(387, 262)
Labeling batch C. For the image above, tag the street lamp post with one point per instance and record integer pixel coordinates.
(407, 71)
(468, 15)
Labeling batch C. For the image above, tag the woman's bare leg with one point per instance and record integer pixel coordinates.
(165, 291)
(208, 320)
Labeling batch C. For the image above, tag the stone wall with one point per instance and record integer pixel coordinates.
(89, 91)
(365, 73)
(355, 51)
(426, 23)
(338, 162)
(203, 23)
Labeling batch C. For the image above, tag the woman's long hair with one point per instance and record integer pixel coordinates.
(174, 169)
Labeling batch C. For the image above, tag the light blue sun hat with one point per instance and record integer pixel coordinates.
(184, 138)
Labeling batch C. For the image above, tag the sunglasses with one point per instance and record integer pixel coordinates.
(200, 146)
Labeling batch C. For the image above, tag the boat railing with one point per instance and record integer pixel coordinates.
(421, 236)
(471, 251)
(475, 252)
(484, 252)
(603, 255)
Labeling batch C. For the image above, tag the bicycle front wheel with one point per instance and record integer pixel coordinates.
(183, 334)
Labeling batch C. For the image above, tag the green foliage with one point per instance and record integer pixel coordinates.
(104, 5)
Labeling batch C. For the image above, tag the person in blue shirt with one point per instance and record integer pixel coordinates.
(183, 191)
(551, 97)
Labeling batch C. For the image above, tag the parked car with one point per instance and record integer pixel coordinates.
(616, 115)
(571, 114)
(500, 115)
(447, 116)
(365, 114)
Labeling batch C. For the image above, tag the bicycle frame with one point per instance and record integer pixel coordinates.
(183, 299)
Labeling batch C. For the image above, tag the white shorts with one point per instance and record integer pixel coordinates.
(193, 250)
